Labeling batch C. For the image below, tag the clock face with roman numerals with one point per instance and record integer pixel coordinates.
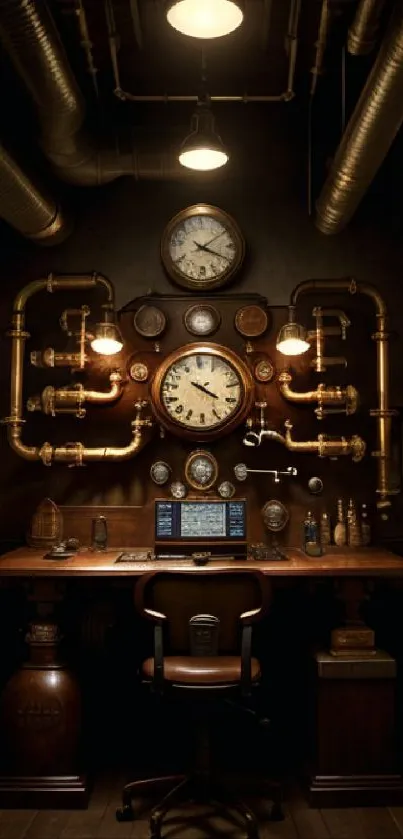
(202, 390)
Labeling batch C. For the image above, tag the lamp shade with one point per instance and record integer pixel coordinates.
(205, 18)
(291, 339)
(203, 149)
(107, 339)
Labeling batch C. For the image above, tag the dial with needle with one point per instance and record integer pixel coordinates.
(209, 250)
(204, 390)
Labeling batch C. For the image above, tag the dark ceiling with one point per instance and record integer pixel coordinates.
(154, 59)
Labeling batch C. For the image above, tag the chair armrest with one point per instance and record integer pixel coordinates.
(158, 617)
(251, 616)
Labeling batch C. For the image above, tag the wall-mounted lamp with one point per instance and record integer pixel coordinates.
(107, 339)
(203, 149)
(205, 18)
(292, 337)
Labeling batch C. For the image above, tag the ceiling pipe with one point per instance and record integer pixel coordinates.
(27, 207)
(369, 135)
(364, 30)
(29, 35)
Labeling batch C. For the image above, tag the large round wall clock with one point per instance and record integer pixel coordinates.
(202, 248)
(202, 391)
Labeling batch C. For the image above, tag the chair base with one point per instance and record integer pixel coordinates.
(199, 787)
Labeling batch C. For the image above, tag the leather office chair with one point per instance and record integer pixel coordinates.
(238, 599)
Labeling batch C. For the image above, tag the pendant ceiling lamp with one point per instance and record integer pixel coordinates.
(205, 18)
(292, 338)
(203, 149)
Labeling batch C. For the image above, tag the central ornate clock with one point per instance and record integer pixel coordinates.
(202, 391)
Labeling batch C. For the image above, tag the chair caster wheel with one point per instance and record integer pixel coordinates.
(276, 813)
(125, 813)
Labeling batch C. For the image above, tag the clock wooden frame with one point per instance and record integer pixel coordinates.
(226, 426)
(228, 222)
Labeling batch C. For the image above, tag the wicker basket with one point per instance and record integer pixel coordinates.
(46, 525)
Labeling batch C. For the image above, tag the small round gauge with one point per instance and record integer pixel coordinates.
(226, 489)
(160, 472)
(315, 485)
(202, 320)
(201, 470)
(178, 490)
(202, 247)
(149, 321)
(241, 472)
(275, 515)
(263, 370)
(138, 371)
(251, 321)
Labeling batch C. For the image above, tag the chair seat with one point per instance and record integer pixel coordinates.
(208, 670)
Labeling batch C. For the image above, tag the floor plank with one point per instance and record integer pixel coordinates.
(47, 824)
(15, 823)
(396, 814)
(377, 823)
(343, 824)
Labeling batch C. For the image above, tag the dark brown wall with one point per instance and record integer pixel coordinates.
(117, 232)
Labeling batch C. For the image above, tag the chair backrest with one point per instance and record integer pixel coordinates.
(179, 595)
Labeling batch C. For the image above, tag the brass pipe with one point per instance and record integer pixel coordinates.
(382, 413)
(370, 132)
(73, 453)
(76, 453)
(53, 358)
(327, 446)
(323, 395)
(364, 29)
(70, 400)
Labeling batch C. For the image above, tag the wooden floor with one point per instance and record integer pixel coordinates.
(200, 823)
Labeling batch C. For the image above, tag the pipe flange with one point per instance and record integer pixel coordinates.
(284, 377)
(383, 412)
(18, 333)
(16, 421)
(381, 335)
(46, 454)
(358, 448)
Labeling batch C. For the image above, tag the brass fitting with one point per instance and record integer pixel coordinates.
(326, 446)
(70, 400)
(345, 399)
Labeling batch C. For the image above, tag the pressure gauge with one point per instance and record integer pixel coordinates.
(202, 320)
(226, 489)
(275, 515)
(160, 472)
(241, 472)
(201, 470)
(178, 490)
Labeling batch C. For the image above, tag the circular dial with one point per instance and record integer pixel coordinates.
(149, 321)
(202, 320)
(178, 489)
(275, 515)
(202, 247)
(226, 489)
(201, 391)
(251, 321)
(160, 472)
(201, 470)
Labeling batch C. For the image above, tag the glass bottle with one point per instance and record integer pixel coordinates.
(325, 531)
(365, 527)
(340, 530)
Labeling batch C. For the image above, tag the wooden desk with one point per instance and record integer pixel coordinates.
(368, 562)
(32, 703)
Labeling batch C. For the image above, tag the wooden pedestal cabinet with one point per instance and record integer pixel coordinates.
(355, 754)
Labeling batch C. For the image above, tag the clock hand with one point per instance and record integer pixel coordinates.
(204, 390)
(217, 236)
(209, 250)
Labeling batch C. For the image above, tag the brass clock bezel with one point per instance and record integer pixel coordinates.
(226, 426)
(188, 466)
(228, 222)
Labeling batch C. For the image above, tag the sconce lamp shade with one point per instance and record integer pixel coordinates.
(291, 339)
(203, 149)
(107, 339)
(205, 18)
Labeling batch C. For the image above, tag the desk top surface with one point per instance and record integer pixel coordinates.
(372, 562)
